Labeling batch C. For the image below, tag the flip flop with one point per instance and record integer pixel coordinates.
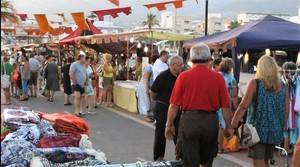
(68, 104)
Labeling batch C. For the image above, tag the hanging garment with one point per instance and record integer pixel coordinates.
(17, 153)
(297, 95)
(46, 128)
(30, 133)
(143, 100)
(67, 123)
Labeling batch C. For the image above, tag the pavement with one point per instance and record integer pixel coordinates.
(125, 137)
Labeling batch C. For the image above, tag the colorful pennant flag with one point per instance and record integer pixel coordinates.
(115, 2)
(43, 23)
(112, 12)
(79, 20)
(162, 6)
(23, 17)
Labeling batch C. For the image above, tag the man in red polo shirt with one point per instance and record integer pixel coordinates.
(199, 92)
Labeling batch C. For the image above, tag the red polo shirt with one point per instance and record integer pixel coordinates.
(200, 89)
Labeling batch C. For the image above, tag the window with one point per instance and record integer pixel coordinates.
(186, 21)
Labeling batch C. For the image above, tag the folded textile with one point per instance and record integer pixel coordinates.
(63, 154)
(16, 117)
(4, 131)
(67, 123)
(43, 162)
(29, 132)
(70, 140)
(46, 128)
(17, 153)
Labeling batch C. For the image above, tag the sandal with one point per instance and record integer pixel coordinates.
(81, 114)
(68, 104)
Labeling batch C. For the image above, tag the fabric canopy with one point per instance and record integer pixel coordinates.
(154, 34)
(79, 32)
(270, 32)
(112, 12)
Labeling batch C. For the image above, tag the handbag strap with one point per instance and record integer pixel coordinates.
(255, 99)
(4, 69)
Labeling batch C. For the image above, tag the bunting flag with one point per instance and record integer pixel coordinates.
(8, 30)
(68, 30)
(112, 12)
(162, 6)
(23, 17)
(57, 31)
(79, 20)
(115, 2)
(43, 23)
(62, 16)
(33, 31)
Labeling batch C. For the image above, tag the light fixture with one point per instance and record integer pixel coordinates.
(139, 45)
(268, 52)
(246, 58)
(146, 49)
(298, 58)
(131, 40)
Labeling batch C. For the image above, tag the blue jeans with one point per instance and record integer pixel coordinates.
(25, 86)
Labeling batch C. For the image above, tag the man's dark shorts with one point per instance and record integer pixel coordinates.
(199, 137)
(78, 88)
(33, 78)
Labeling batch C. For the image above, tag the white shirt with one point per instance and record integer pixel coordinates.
(158, 67)
(34, 64)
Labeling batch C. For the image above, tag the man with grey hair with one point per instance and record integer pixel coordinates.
(160, 92)
(199, 92)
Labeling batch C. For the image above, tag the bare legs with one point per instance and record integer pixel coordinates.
(107, 95)
(260, 162)
(67, 100)
(7, 96)
(77, 102)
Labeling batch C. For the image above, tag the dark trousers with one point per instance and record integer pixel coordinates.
(161, 113)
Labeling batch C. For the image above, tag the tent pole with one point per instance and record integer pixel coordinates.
(127, 58)
(237, 64)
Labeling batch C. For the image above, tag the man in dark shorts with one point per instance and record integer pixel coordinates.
(199, 92)
(78, 76)
(34, 66)
(160, 92)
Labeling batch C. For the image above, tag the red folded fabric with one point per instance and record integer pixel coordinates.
(71, 140)
(67, 123)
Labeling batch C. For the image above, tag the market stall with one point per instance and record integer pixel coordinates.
(269, 33)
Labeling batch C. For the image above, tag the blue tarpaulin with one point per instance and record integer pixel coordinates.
(270, 32)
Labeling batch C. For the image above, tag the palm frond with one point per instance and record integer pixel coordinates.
(8, 11)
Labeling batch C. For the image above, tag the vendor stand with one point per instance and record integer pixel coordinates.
(125, 44)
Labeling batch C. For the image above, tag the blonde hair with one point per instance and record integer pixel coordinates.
(268, 72)
(107, 56)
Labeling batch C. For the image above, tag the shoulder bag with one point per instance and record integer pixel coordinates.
(5, 79)
(247, 132)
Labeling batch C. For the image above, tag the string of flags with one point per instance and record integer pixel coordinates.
(80, 19)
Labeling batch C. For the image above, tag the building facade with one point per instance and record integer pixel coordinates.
(176, 23)
(244, 18)
(216, 23)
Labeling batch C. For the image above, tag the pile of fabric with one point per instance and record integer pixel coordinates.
(44, 140)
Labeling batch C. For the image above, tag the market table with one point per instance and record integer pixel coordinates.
(124, 94)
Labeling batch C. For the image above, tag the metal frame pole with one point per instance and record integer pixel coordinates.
(206, 16)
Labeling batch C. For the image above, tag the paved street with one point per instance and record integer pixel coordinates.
(124, 137)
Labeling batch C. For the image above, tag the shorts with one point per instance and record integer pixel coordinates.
(261, 151)
(107, 81)
(199, 136)
(78, 88)
(33, 78)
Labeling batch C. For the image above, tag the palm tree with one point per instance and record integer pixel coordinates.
(151, 21)
(8, 11)
(234, 24)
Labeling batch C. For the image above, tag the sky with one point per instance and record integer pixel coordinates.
(228, 8)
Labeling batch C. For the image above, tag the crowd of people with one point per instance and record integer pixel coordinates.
(197, 107)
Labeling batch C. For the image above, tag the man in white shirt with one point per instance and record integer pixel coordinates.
(34, 66)
(160, 64)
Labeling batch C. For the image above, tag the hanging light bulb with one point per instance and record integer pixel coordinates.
(139, 45)
(268, 52)
(246, 58)
(131, 40)
(298, 58)
(146, 49)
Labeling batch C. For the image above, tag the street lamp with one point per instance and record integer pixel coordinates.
(139, 45)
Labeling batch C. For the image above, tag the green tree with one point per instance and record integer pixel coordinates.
(234, 24)
(8, 11)
(151, 21)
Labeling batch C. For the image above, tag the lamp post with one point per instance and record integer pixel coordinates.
(206, 16)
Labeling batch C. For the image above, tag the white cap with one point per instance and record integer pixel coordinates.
(200, 52)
